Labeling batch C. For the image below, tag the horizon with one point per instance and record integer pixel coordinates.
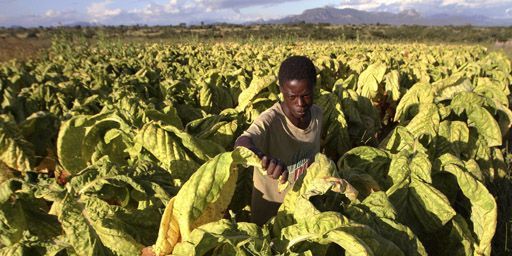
(21, 13)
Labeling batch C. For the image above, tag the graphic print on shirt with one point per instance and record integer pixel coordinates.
(299, 165)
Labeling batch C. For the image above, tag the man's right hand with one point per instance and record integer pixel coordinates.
(274, 168)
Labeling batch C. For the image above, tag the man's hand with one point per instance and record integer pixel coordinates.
(274, 168)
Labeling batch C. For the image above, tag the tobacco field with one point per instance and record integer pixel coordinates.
(110, 148)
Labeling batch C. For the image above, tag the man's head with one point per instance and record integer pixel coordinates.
(297, 78)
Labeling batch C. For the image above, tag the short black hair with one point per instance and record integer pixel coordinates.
(297, 68)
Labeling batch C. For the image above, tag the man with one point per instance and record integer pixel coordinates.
(286, 137)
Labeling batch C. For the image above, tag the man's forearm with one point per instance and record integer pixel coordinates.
(274, 167)
(245, 141)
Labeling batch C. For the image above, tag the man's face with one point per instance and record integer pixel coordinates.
(298, 97)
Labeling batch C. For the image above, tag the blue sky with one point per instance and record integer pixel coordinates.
(115, 12)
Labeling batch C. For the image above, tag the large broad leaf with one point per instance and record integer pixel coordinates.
(213, 96)
(483, 204)
(334, 124)
(169, 144)
(419, 205)
(366, 160)
(369, 80)
(398, 140)
(218, 128)
(392, 85)
(447, 88)
(426, 122)
(12, 221)
(256, 86)
(85, 139)
(21, 214)
(363, 120)
(91, 229)
(315, 230)
(322, 229)
(323, 194)
(453, 138)
(478, 117)
(226, 238)
(169, 116)
(15, 151)
(377, 212)
(322, 167)
(41, 129)
(32, 245)
(118, 185)
(408, 105)
(486, 87)
(105, 137)
(203, 198)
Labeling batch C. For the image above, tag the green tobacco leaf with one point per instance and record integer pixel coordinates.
(483, 205)
(208, 192)
(218, 128)
(372, 161)
(168, 144)
(461, 234)
(412, 194)
(399, 139)
(330, 227)
(362, 117)
(78, 139)
(168, 117)
(97, 135)
(21, 214)
(91, 230)
(202, 149)
(334, 123)
(227, 238)
(141, 224)
(393, 84)
(12, 221)
(486, 87)
(257, 85)
(447, 88)
(323, 194)
(478, 117)
(504, 116)
(315, 230)
(369, 80)
(213, 98)
(41, 129)
(408, 105)
(377, 212)
(487, 127)
(15, 151)
(426, 122)
(117, 184)
(32, 245)
(453, 137)
(322, 167)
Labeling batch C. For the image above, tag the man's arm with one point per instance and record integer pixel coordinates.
(275, 168)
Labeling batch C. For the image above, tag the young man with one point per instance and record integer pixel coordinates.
(286, 136)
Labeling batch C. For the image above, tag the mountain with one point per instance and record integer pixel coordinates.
(407, 17)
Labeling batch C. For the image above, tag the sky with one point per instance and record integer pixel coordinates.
(172, 12)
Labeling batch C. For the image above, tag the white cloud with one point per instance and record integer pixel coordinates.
(206, 6)
(100, 10)
(491, 8)
(52, 13)
(508, 11)
(152, 12)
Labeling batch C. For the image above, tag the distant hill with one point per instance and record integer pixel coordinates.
(407, 17)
